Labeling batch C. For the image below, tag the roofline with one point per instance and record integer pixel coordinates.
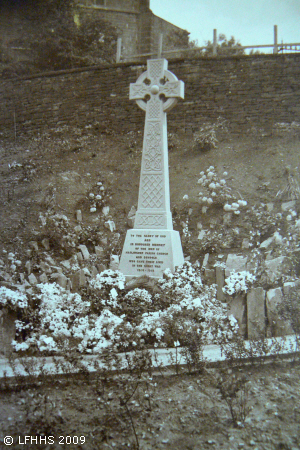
(182, 29)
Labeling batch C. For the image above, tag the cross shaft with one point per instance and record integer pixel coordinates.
(156, 91)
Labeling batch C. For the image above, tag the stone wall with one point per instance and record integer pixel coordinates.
(261, 89)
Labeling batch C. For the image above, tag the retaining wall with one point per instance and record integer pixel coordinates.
(258, 89)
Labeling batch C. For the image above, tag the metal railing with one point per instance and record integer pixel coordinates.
(292, 47)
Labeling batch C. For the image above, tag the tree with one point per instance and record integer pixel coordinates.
(58, 36)
(224, 47)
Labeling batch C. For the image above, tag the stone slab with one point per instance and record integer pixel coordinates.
(238, 309)
(288, 286)
(150, 252)
(7, 330)
(235, 263)
(220, 281)
(43, 278)
(278, 326)
(205, 260)
(99, 250)
(84, 251)
(274, 268)
(78, 215)
(210, 276)
(110, 225)
(286, 206)
(78, 279)
(256, 320)
(114, 262)
(32, 279)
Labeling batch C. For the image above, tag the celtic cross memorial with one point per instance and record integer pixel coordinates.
(152, 245)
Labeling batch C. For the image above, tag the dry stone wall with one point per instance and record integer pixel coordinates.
(261, 89)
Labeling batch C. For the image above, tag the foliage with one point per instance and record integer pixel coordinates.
(225, 47)
(217, 191)
(238, 282)
(108, 316)
(12, 300)
(289, 310)
(58, 37)
(234, 390)
(292, 188)
(205, 138)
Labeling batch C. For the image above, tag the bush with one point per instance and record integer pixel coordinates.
(107, 316)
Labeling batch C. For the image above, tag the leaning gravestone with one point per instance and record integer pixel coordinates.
(152, 245)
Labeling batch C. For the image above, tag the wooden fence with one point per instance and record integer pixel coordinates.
(277, 48)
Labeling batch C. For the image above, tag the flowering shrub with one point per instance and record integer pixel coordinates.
(57, 228)
(12, 300)
(98, 196)
(107, 316)
(105, 288)
(218, 192)
(206, 138)
(238, 282)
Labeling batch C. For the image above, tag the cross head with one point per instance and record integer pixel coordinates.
(156, 90)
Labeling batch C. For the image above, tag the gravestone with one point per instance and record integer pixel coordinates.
(152, 245)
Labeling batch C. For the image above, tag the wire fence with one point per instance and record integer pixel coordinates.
(277, 48)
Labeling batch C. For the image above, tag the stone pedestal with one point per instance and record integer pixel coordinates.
(150, 252)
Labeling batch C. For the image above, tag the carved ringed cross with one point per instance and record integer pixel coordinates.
(156, 91)
(154, 83)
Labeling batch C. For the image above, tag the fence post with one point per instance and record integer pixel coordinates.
(160, 45)
(215, 43)
(275, 48)
(119, 50)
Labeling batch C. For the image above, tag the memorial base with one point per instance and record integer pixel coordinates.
(150, 252)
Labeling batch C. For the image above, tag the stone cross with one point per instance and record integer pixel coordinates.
(152, 245)
(156, 91)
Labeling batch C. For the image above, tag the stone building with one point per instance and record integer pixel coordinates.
(138, 27)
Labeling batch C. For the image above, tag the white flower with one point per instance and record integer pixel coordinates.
(225, 174)
(227, 207)
(235, 206)
(213, 194)
(212, 185)
(93, 209)
(223, 182)
(204, 199)
(113, 294)
(98, 197)
(91, 195)
(185, 197)
(209, 201)
(289, 217)
(210, 174)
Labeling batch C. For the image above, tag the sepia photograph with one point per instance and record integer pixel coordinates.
(149, 224)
